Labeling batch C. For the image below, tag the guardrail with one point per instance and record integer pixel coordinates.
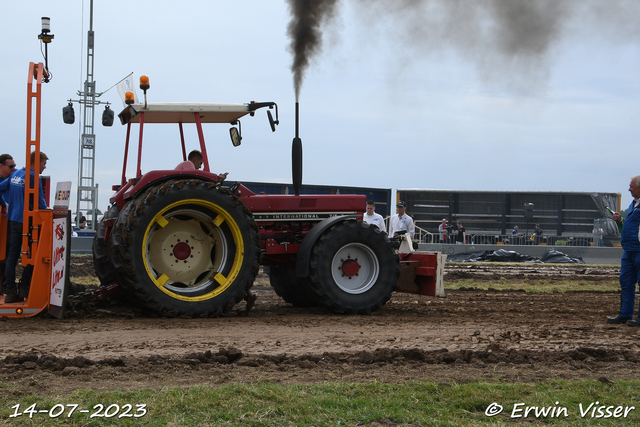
(424, 236)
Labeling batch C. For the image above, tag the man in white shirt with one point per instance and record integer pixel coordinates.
(371, 217)
(401, 222)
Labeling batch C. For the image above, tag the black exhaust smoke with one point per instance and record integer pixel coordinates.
(296, 156)
(307, 17)
(509, 41)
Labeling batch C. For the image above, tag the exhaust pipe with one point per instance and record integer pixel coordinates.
(296, 156)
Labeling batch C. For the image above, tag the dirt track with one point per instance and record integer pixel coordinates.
(471, 334)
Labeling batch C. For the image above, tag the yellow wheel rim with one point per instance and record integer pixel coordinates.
(188, 247)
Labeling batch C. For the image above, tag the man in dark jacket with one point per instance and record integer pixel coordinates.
(630, 263)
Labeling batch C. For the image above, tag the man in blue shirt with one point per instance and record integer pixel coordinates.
(7, 167)
(516, 237)
(13, 190)
(630, 263)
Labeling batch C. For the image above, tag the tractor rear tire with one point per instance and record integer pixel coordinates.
(187, 248)
(353, 268)
(291, 288)
(101, 261)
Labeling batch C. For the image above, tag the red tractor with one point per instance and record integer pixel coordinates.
(186, 244)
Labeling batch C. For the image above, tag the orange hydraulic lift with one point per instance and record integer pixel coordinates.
(46, 235)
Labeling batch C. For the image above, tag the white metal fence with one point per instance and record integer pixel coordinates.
(507, 239)
(526, 238)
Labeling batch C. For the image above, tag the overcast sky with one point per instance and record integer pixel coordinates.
(431, 94)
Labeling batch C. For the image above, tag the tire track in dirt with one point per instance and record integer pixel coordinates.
(470, 334)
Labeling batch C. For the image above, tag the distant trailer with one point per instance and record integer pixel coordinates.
(496, 213)
(381, 196)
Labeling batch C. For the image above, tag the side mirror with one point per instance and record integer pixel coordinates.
(236, 138)
(272, 122)
(68, 115)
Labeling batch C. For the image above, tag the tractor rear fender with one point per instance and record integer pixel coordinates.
(135, 186)
(304, 253)
(108, 225)
(118, 197)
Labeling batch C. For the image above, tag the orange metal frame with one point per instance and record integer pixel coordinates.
(37, 234)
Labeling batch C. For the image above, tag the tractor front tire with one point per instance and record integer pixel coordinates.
(187, 248)
(353, 268)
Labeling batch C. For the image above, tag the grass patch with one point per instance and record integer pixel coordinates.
(539, 286)
(545, 284)
(86, 280)
(344, 404)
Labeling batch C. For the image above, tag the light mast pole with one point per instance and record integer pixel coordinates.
(87, 192)
(86, 195)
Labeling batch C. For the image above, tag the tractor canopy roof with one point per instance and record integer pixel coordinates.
(165, 112)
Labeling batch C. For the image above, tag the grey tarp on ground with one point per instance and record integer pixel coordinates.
(501, 255)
